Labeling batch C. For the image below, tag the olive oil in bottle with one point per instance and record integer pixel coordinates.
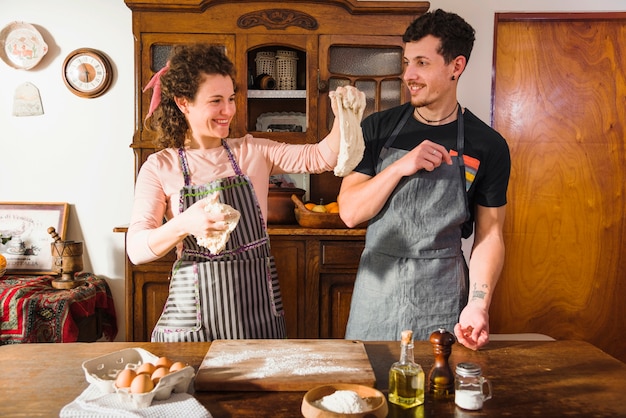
(406, 378)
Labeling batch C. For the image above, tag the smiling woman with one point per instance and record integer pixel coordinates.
(193, 106)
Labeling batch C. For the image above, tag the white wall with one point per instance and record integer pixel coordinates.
(78, 151)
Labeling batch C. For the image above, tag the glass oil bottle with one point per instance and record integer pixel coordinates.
(406, 378)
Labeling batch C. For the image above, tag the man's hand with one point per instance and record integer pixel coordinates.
(473, 328)
(426, 156)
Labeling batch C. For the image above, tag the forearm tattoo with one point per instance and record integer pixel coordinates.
(479, 293)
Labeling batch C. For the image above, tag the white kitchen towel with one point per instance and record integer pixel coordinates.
(93, 403)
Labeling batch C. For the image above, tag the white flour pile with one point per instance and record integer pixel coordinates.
(343, 402)
(274, 362)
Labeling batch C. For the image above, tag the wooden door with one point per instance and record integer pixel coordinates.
(559, 98)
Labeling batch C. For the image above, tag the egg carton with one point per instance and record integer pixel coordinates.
(102, 371)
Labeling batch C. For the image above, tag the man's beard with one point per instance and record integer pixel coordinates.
(420, 102)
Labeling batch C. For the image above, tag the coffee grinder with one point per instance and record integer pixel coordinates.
(67, 260)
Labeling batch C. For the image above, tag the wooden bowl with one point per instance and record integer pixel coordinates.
(321, 220)
(373, 397)
(309, 219)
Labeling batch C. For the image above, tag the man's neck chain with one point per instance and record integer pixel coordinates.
(437, 121)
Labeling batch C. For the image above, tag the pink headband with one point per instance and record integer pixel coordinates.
(155, 85)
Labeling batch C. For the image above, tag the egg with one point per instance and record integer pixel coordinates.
(177, 365)
(158, 374)
(142, 383)
(147, 368)
(163, 362)
(124, 378)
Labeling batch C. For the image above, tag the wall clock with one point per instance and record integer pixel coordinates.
(87, 72)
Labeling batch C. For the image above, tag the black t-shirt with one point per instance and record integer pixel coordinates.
(486, 153)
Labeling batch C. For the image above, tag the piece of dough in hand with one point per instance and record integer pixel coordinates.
(217, 241)
(350, 105)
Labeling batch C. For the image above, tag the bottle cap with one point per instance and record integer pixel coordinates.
(468, 369)
(407, 336)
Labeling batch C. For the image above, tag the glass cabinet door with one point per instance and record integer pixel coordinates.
(371, 63)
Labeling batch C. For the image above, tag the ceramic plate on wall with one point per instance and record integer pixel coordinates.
(22, 45)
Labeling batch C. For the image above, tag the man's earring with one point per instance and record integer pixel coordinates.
(453, 77)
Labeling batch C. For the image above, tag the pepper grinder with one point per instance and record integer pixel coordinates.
(440, 377)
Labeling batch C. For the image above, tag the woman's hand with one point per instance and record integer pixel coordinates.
(200, 221)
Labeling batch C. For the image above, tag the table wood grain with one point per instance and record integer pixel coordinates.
(530, 379)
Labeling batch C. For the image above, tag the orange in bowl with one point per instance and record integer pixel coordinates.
(332, 207)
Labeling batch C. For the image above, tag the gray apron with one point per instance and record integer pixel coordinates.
(412, 273)
(230, 295)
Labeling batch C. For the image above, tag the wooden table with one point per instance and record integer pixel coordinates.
(538, 378)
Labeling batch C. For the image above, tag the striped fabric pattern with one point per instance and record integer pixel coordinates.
(231, 295)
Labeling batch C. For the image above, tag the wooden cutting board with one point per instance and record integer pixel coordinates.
(283, 365)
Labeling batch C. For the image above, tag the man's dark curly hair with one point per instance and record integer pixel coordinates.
(188, 65)
(456, 35)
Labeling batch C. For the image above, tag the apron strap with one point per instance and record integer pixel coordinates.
(399, 126)
(460, 137)
(184, 165)
(460, 145)
(231, 157)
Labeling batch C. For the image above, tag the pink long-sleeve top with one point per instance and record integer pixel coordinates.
(160, 179)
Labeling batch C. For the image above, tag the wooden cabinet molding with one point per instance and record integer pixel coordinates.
(352, 6)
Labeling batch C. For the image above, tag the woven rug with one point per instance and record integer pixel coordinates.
(31, 310)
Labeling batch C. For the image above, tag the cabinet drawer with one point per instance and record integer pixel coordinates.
(341, 254)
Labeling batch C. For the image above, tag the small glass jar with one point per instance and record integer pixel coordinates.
(469, 387)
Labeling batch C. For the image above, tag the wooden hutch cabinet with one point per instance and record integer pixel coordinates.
(318, 46)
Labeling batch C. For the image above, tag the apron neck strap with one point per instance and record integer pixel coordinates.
(460, 135)
(405, 117)
(184, 165)
(182, 157)
(231, 157)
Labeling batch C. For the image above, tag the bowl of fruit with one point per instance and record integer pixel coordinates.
(318, 215)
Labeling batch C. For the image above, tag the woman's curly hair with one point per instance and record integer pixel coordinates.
(455, 34)
(188, 65)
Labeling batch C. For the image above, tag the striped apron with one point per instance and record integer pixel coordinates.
(231, 295)
(412, 273)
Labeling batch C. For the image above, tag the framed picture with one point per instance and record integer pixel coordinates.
(24, 238)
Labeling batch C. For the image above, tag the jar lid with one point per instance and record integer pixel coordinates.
(468, 369)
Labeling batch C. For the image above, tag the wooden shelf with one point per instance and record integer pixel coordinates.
(276, 94)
